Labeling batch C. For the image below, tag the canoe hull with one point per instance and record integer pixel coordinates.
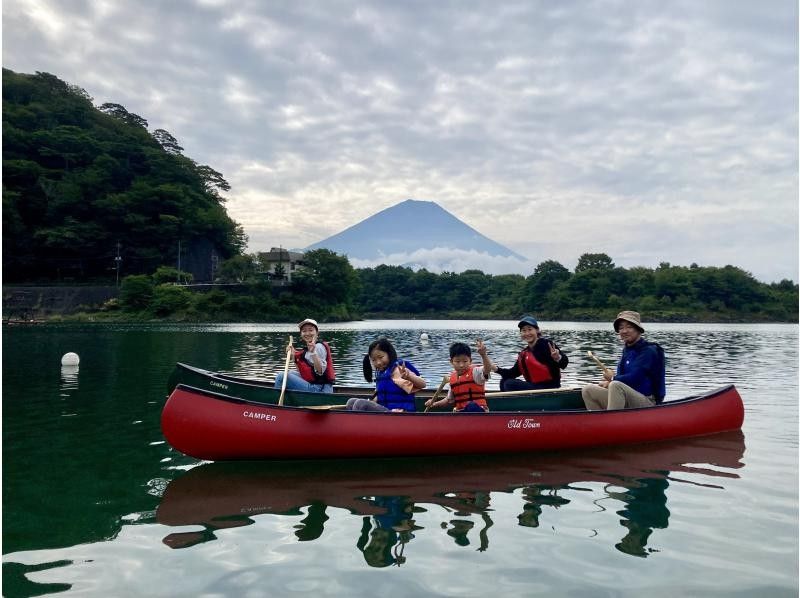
(216, 427)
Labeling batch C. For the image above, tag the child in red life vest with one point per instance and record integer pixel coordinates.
(467, 381)
(315, 371)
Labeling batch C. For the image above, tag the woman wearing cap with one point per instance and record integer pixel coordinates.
(315, 372)
(540, 362)
(640, 377)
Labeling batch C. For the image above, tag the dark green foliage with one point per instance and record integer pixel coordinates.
(136, 292)
(169, 299)
(597, 290)
(239, 268)
(594, 261)
(329, 289)
(326, 277)
(77, 180)
(168, 274)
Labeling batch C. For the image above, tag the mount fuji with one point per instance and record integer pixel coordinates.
(422, 234)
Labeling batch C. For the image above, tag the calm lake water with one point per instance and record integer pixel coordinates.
(95, 503)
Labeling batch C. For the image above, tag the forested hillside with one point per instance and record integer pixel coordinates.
(81, 182)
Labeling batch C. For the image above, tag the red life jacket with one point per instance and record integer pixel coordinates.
(532, 369)
(465, 389)
(306, 370)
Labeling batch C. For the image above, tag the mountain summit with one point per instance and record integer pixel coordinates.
(420, 234)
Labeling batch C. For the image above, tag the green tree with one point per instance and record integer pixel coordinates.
(537, 286)
(239, 268)
(327, 275)
(594, 261)
(136, 292)
(169, 299)
(169, 274)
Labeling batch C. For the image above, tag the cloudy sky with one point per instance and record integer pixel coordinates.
(661, 130)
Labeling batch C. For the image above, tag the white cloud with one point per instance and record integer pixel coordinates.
(444, 259)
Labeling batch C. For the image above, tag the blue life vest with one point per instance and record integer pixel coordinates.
(389, 394)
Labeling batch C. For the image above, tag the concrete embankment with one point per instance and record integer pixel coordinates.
(27, 302)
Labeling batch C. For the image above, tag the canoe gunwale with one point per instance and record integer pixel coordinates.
(250, 384)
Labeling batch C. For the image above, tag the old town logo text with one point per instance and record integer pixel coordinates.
(523, 424)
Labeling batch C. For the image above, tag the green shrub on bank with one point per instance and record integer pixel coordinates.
(136, 292)
(169, 299)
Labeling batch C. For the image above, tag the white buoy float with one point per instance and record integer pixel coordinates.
(423, 337)
(70, 359)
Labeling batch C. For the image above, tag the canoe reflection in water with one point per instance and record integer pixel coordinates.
(388, 493)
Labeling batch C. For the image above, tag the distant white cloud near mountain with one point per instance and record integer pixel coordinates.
(445, 259)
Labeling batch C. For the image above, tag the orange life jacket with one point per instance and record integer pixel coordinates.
(306, 370)
(465, 389)
(532, 369)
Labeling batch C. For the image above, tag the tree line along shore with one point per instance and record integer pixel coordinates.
(330, 289)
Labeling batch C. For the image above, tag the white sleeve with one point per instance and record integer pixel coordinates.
(319, 349)
(478, 375)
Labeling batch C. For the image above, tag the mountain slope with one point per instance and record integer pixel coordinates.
(410, 233)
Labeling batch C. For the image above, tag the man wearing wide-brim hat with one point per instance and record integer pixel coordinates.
(640, 377)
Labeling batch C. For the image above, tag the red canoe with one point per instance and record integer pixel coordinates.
(217, 427)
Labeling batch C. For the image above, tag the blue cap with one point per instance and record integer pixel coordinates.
(527, 321)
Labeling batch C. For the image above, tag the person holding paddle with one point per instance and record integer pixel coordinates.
(540, 362)
(467, 381)
(640, 377)
(315, 371)
(396, 380)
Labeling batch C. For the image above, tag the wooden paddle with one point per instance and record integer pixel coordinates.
(537, 391)
(436, 394)
(606, 371)
(289, 352)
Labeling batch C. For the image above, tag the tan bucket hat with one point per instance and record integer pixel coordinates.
(632, 317)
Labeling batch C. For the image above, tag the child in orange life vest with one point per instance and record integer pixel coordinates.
(467, 381)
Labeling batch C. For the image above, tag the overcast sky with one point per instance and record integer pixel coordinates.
(653, 131)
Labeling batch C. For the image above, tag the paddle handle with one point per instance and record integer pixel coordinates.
(436, 394)
(289, 352)
(537, 391)
(602, 366)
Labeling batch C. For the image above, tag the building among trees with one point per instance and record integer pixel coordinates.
(279, 263)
